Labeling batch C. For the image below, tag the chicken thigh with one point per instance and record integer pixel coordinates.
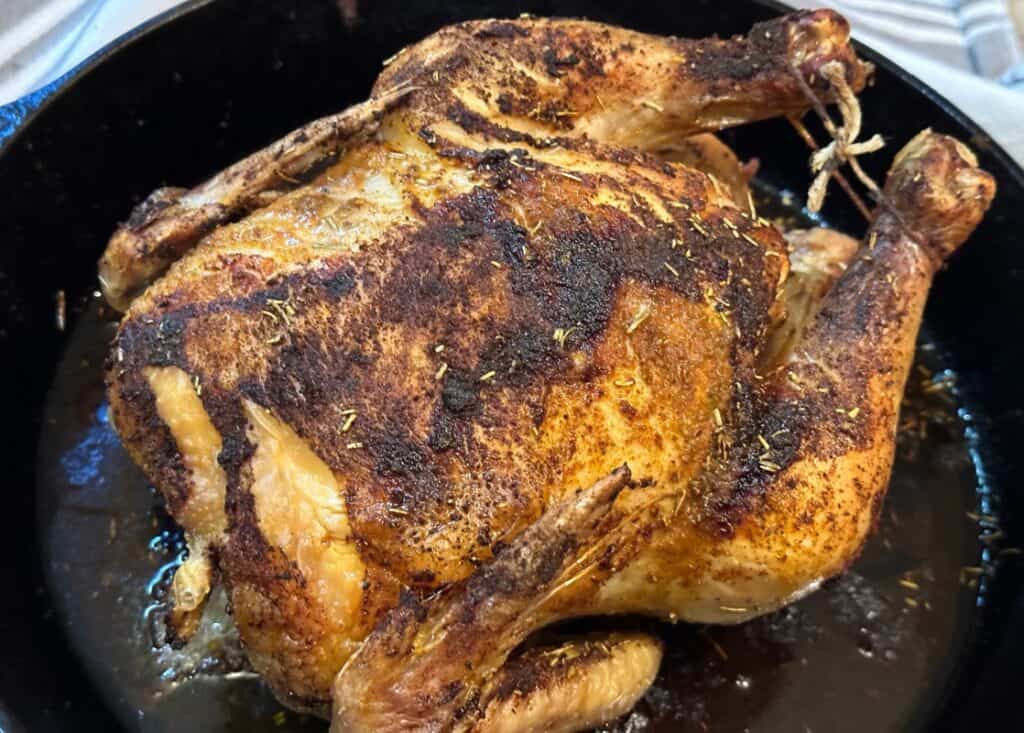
(499, 347)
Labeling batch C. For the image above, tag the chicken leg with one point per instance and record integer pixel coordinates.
(555, 79)
(764, 524)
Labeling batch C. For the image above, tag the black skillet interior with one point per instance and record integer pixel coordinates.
(191, 95)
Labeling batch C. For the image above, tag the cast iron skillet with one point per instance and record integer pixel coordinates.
(202, 85)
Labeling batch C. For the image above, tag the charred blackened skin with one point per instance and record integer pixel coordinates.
(503, 31)
(555, 65)
(544, 301)
(760, 52)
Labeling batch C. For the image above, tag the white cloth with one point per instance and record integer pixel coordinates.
(965, 49)
(42, 39)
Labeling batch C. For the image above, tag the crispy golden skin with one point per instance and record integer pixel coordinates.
(395, 378)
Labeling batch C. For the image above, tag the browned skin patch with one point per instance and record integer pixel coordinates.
(484, 307)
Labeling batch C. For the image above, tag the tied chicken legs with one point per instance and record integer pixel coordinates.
(507, 345)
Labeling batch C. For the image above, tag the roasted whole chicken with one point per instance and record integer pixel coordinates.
(507, 344)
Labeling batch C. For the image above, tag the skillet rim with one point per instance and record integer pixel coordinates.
(17, 117)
